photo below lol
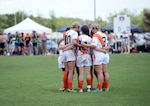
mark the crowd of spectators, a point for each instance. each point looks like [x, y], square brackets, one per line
[21, 44]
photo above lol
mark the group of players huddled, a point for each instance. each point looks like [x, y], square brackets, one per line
[84, 48]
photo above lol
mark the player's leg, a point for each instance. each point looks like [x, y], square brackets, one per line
[81, 78]
[106, 77]
[88, 78]
[71, 66]
[98, 69]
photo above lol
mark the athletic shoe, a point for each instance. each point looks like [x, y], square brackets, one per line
[88, 90]
[96, 90]
[61, 89]
[68, 90]
[80, 90]
[106, 89]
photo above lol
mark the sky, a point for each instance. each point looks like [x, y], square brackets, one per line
[83, 9]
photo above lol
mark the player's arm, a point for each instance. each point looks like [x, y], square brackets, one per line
[68, 47]
[75, 43]
[65, 47]
[59, 41]
[88, 45]
[101, 50]
[107, 47]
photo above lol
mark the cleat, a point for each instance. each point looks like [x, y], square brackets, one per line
[88, 90]
[80, 90]
[61, 89]
[96, 90]
[68, 90]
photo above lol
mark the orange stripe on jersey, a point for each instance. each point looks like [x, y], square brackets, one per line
[84, 51]
[82, 48]
[99, 38]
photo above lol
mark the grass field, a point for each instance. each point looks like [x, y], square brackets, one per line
[35, 80]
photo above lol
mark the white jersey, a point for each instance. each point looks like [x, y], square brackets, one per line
[83, 56]
[86, 39]
[69, 55]
[105, 39]
[98, 56]
[98, 42]
[70, 35]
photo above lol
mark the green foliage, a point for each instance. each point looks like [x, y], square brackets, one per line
[100, 21]
[146, 19]
[35, 80]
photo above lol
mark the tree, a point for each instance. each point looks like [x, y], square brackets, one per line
[146, 19]
[100, 21]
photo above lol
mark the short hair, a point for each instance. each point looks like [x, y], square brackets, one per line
[85, 29]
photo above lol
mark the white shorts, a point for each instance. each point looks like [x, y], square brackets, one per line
[60, 62]
[84, 60]
[106, 60]
[69, 55]
[99, 58]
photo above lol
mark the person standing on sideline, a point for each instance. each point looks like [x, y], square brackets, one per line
[2, 44]
[16, 44]
[84, 60]
[22, 44]
[34, 42]
[124, 44]
[27, 44]
[44, 39]
[98, 56]
[69, 56]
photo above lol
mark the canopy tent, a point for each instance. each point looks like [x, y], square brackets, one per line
[134, 28]
[27, 26]
[63, 29]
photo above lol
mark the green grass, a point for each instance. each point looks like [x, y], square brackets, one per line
[35, 80]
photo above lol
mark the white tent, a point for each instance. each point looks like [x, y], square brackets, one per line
[27, 26]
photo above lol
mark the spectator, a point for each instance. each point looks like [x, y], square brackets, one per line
[27, 44]
[16, 44]
[2, 44]
[9, 42]
[112, 41]
[34, 42]
[124, 44]
[44, 39]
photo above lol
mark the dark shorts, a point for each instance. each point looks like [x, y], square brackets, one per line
[2, 45]
[16, 44]
[21, 45]
[27, 44]
[35, 44]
